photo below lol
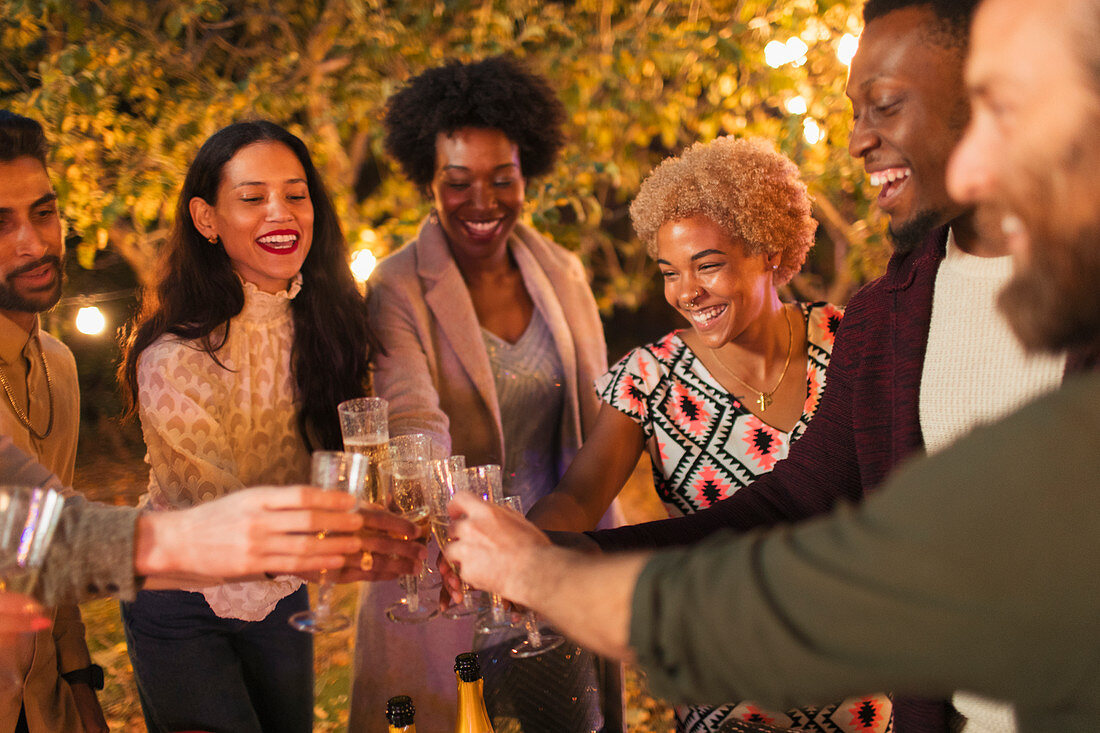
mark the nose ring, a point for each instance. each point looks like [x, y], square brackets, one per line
[694, 297]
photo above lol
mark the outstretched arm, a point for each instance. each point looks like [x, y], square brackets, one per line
[976, 569]
[402, 373]
[595, 476]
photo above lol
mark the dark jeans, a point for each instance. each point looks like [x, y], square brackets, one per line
[196, 671]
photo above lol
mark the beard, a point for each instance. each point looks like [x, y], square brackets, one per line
[35, 301]
[910, 235]
[1052, 302]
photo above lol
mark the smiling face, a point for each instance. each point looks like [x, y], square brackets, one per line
[263, 215]
[31, 241]
[1030, 165]
[710, 280]
[909, 110]
[478, 191]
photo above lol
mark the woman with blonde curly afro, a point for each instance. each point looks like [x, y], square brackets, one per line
[719, 403]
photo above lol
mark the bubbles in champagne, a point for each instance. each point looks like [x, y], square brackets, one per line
[374, 448]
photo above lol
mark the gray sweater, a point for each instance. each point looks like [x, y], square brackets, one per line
[92, 552]
[978, 570]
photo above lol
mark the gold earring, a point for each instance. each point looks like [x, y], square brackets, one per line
[213, 239]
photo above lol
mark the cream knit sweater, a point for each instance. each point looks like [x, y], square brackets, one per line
[975, 372]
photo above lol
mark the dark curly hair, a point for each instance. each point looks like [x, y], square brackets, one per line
[21, 137]
[953, 17]
[497, 93]
[198, 294]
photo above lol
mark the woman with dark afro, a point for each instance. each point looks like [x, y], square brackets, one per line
[491, 341]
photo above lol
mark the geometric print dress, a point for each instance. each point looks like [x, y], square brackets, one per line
[704, 445]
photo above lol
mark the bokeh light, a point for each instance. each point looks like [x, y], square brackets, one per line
[90, 321]
[812, 131]
[796, 105]
[846, 48]
[362, 265]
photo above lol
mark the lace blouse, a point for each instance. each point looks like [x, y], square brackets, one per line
[211, 430]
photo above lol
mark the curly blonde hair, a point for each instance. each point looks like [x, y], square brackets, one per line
[746, 187]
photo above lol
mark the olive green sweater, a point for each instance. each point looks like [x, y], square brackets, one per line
[978, 570]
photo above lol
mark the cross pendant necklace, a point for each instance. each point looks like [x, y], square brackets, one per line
[764, 399]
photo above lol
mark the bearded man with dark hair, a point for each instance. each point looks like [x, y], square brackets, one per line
[48, 681]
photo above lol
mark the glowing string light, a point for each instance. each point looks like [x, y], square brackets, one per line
[812, 131]
[362, 265]
[846, 48]
[90, 320]
[796, 105]
[778, 54]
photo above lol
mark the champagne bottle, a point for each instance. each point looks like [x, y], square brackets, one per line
[399, 711]
[472, 716]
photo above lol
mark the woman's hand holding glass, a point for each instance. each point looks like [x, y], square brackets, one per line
[498, 550]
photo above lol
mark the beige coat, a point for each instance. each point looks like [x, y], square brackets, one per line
[438, 380]
[436, 371]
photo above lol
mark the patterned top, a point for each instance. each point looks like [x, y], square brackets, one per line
[530, 385]
[211, 430]
[704, 444]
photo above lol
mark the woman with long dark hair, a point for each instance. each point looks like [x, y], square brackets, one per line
[252, 334]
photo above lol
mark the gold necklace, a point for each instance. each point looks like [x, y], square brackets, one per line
[765, 398]
[23, 417]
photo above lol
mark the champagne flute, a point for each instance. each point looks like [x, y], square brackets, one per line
[537, 641]
[487, 482]
[449, 478]
[363, 424]
[404, 489]
[413, 447]
[28, 518]
[335, 471]
[417, 447]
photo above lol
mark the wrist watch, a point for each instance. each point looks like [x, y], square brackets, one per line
[92, 676]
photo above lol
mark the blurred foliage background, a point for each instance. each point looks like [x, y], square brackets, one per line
[129, 89]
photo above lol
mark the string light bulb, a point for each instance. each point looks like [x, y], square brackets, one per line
[846, 48]
[812, 131]
[90, 321]
[362, 265]
[777, 53]
[796, 105]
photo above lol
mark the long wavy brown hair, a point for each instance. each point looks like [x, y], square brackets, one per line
[197, 293]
